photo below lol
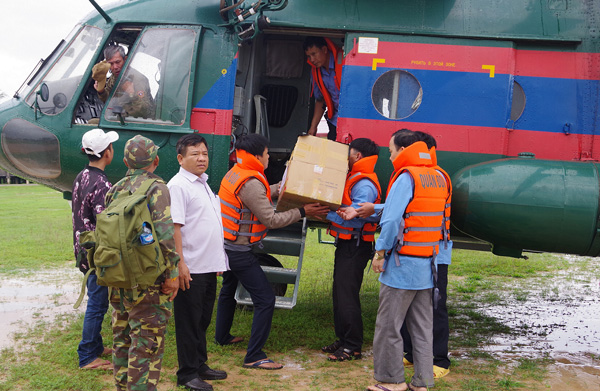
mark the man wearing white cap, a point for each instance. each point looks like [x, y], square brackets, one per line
[89, 190]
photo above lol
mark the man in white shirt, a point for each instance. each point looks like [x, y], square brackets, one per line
[196, 213]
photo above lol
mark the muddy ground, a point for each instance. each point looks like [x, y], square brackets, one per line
[557, 317]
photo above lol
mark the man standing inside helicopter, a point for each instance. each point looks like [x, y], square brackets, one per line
[325, 59]
[134, 93]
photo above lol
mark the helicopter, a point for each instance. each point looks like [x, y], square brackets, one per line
[509, 89]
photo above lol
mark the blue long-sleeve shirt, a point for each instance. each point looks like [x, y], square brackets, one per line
[362, 191]
[328, 75]
[444, 256]
[413, 273]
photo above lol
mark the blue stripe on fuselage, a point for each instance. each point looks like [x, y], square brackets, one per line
[476, 99]
[220, 95]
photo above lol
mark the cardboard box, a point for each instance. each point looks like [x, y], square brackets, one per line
[316, 172]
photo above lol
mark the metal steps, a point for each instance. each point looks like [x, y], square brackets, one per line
[283, 241]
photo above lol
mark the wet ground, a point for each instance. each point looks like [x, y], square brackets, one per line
[28, 299]
[553, 316]
[557, 317]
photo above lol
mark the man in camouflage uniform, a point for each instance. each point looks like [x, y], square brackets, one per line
[134, 93]
[140, 317]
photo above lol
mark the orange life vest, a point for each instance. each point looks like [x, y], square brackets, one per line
[232, 209]
[318, 77]
[446, 231]
[364, 168]
[424, 222]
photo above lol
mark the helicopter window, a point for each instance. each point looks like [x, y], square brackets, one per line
[66, 74]
[154, 87]
[396, 94]
[518, 102]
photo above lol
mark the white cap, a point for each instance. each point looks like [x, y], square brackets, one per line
[95, 141]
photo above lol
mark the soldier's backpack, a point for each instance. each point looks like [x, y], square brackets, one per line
[123, 250]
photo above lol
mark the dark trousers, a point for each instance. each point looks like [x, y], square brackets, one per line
[332, 134]
[246, 269]
[193, 311]
[441, 329]
[348, 271]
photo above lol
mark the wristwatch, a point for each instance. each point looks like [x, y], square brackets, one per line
[378, 256]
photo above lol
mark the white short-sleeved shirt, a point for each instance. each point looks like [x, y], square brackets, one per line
[198, 210]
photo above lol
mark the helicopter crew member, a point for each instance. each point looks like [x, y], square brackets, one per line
[196, 212]
[247, 214]
[89, 189]
[134, 92]
[354, 248]
[405, 255]
[325, 60]
[140, 317]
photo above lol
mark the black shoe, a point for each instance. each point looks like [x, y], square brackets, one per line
[332, 348]
[212, 374]
[196, 384]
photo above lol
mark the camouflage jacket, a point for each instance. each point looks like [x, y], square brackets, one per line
[140, 103]
[89, 189]
[159, 202]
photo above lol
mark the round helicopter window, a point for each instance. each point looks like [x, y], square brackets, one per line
[396, 94]
[518, 102]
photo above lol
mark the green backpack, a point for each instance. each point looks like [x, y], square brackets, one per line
[123, 249]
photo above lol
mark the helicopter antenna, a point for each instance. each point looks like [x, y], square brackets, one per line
[101, 11]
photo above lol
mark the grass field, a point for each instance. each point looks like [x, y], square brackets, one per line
[35, 234]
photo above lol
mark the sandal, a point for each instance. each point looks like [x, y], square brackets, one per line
[381, 387]
[344, 354]
[98, 364]
[332, 348]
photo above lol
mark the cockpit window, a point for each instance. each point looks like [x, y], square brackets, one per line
[66, 74]
[154, 87]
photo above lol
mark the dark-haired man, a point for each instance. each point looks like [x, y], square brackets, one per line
[441, 328]
[248, 214]
[89, 189]
[196, 213]
[326, 62]
[412, 227]
[354, 247]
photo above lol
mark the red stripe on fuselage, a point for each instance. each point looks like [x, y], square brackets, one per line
[459, 58]
[477, 139]
[211, 121]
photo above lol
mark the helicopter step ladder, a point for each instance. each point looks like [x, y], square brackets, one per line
[282, 241]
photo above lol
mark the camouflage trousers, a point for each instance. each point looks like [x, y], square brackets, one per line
[139, 327]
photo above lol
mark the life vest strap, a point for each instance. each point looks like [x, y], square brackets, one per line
[420, 244]
[238, 221]
[409, 214]
[421, 229]
[249, 234]
[238, 210]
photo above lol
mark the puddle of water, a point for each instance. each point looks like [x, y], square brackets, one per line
[26, 300]
[557, 316]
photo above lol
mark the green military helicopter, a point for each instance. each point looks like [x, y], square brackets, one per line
[509, 89]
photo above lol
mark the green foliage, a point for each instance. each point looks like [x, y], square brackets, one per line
[35, 228]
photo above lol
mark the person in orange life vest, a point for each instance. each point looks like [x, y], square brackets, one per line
[441, 328]
[247, 213]
[326, 63]
[354, 247]
[405, 257]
